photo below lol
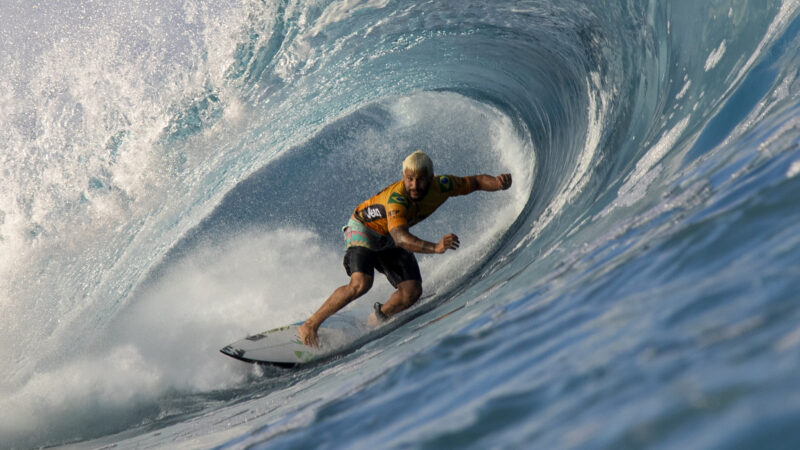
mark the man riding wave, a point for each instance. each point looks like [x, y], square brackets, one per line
[377, 237]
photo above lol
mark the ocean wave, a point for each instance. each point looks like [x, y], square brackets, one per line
[153, 163]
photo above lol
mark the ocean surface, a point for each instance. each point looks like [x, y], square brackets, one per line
[174, 176]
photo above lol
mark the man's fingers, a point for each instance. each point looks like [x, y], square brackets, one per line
[454, 243]
[311, 340]
[448, 242]
[505, 180]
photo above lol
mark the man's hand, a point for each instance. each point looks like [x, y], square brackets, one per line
[490, 183]
[448, 242]
[504, 180]
[308, 335]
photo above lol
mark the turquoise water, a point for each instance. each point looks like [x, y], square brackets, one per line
[175, 177]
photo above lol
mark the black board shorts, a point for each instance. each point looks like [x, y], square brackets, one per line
[396, 263]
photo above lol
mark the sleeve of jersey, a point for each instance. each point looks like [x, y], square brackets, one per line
[396, 207]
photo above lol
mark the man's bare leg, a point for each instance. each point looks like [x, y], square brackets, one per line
[358, 286]
[407, 293]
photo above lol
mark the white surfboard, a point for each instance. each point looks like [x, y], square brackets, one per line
[340, 333]
[282, 346]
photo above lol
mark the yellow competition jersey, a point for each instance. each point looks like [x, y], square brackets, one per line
[392, 207]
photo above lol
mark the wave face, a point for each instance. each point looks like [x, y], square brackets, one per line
[175, 174]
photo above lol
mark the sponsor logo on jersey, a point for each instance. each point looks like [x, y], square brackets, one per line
[372, 213]
[445, 184]
[397, 198]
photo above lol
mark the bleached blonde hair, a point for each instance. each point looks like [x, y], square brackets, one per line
[417, 162]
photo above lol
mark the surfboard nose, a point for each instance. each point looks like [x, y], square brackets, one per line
[233, 352]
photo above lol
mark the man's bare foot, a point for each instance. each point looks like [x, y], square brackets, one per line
[308, 335]
[377, 316]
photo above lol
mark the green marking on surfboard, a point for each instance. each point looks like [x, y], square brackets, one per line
[303, 356]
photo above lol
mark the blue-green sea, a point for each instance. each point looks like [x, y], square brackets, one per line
[174, 176]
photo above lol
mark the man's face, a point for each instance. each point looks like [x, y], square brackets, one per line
[417, 183]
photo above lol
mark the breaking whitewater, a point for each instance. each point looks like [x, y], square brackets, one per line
[175, 176]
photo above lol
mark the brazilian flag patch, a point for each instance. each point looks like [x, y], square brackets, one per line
[445, 184]
[397, 198]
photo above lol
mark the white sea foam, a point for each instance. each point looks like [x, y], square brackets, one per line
[84, 116]
[169, 338]
[793, 169]
[715, 56]
[648, 167]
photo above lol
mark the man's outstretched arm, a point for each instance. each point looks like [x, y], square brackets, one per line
[404, 239]
[490, 183]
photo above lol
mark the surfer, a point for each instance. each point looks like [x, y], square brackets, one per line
[377, 237]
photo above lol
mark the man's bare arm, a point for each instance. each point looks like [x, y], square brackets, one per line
[404, 239]
[490, 183]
